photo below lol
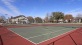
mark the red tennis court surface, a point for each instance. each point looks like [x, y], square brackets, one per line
[72, 38]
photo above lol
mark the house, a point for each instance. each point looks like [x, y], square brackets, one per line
[68, 20]
[78, 19]
[21, 19]
[60, 20]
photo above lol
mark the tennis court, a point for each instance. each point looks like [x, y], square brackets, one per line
[41, 34]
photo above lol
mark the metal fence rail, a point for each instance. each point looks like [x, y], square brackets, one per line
[69, 36]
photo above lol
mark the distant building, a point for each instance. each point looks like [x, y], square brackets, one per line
[21, 19]
[78, 19]
[68, 21]
[60, 20]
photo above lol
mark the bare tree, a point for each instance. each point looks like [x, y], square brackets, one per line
[79, 18]
[47, 18]
[30, 19]
[2, 19]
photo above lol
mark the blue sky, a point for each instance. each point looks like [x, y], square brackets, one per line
[39, 8]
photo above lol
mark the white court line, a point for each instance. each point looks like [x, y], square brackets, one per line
[22, 36]
[47, 33]
[57, 36]
[37, 36]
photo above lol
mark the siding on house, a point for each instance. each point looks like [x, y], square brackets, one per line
[19, 19]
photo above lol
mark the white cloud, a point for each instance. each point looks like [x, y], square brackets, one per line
[11, 7]
[9, 0]
[72, 1]
[4, 11]
[75, 12]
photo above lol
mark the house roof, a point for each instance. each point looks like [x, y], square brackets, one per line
[17, 16]
[78, 18]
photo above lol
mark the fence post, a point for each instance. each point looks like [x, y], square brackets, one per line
[1, 40]
[73, 39]
[52, 43]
